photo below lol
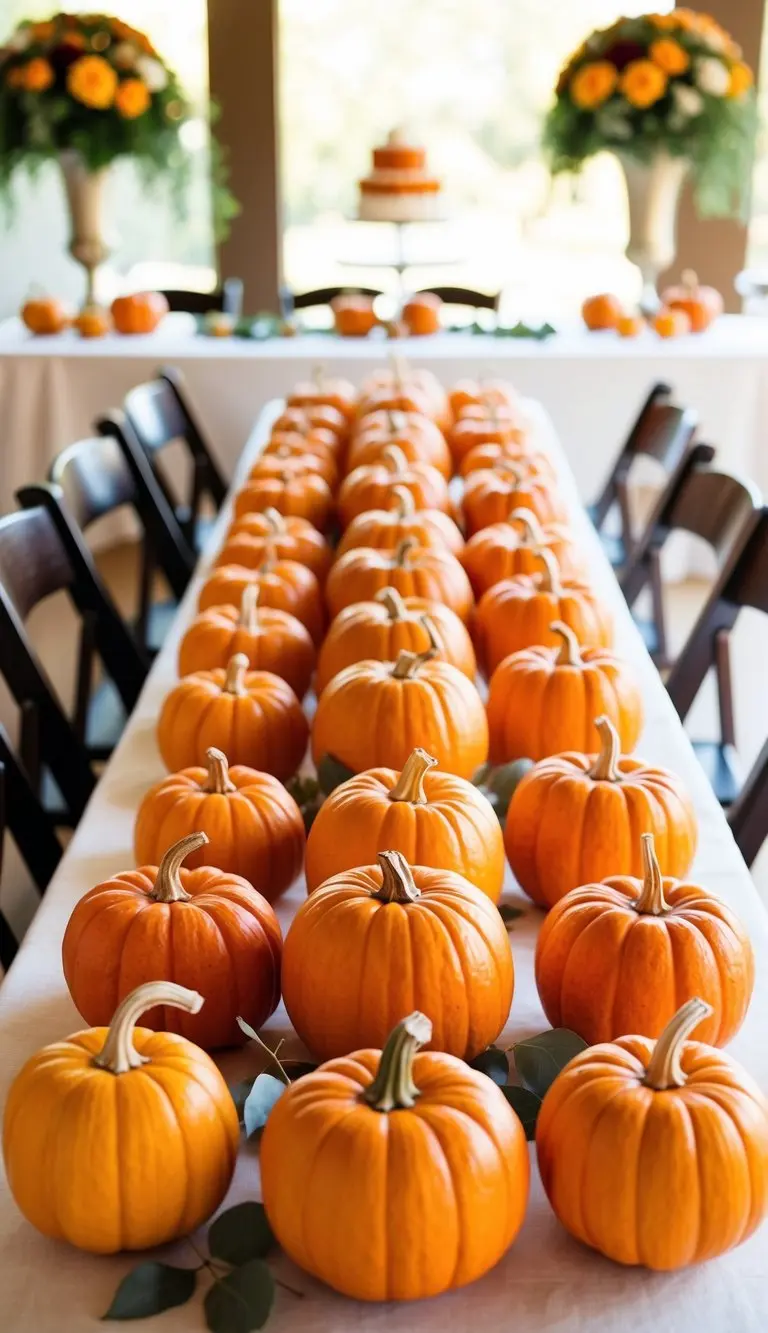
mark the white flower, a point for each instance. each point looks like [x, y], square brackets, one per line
[153, 73]
[717, 41]
[124, 55]
[688, 102]
[712, 77]
[20, 39]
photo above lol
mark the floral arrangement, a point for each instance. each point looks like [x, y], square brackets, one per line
[672, 83]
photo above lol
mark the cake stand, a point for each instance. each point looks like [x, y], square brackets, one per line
[401, 263]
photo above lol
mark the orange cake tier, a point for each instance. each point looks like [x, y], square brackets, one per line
[398, 188]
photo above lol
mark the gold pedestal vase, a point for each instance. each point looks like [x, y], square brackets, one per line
[85, 191]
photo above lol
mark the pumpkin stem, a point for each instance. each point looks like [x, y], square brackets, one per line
[391, 599]
[318, 376]
[410, 785]
[275, 519]
[394, 459]
[408, 663]
[234, 681]
[168, 886]
[406, 505]
[249, 605]
[118, 1054]
[511, 465]
[532, 530]
[392, 422]
[569, 654]
[403, 550]
[393, 1087]
[397, 885]
[664, 1068]
[549, 578]
[651, 900]
[689, 279]
[218, 780]
[605, 767]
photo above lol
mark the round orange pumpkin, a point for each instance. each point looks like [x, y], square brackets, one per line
[253, 826]
[420, 443]
[310, 454]
[416, 1133]
[284, 585]
[139, 313]
[435, 819]
[421, 314]
[45, 315]
[353, 315]
[384, 529]
[404, 390]
[513, 547]
[702, 305]
[362, 925]
[669, 323]
[304, 496]
[253, 716]
[542, 701]
[253, 538]
[371, 486]
[93, 321]
[321, 416]
[622, 955]
[602, 311]
[413, 571]
[373, 714]
[491, 494]
[488, 394]
[272, 640]
[206, 928]
[475, 429]
[382, 628]
[325, 391]
[680, 1131]
[489, 455]
[577, 817]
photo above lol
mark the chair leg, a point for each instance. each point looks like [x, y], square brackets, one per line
[724, 687]
[661, 656]
[29, 741]
[146, 578]
[84, 677]
[748, 816]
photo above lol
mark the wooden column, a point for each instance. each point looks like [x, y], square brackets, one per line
[242, 56]
[716, 248]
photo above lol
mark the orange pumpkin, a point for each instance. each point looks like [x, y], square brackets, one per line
[253, 716]
[400, 387]
[576, 817]
[371, 486]
[139, 313]
[489, 455]
[513, 547]
[353, 315]
[421, 314]
[272, 640]
[311, 455]
[385, 529]
[472, 430]
[382, 628]
[314, 416]
[461, 963]
[252, 538]
[542, 701]
[518, 613]
[304, 496]
[93, 321]
[253, 826]
[284, 585]
[435, 819]
[420, 443]
[373, 714]
[702, 305]
[681, 1132]
[488, 394]
[492, 493]
[325, 391]
[45, 315]
[671, 323]
[414, 571]
[630, 326]
[397, 1234]
[207, 928]
[602, 311]
[622, 955]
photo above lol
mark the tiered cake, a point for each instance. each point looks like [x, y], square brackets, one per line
[399, 188]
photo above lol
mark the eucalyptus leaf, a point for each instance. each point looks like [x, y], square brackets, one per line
[493, 1063]
[242, 1300]
[481, 775]
[240, 1234]
[265, 1092]
[526, 1106]
[331, 773]
[504, 781]
[509, 913]
[539, 1059]
[151, 1288]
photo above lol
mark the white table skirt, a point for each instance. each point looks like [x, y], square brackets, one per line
[546, 1280]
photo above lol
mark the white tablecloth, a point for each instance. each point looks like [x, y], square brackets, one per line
[546, 1281]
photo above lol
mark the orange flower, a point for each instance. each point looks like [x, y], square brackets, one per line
[126, 33]
[741, 80]
[43, 32]
[93, 82]
[666, 22]
[669, 55]
[643, 83]
[593, 84]
[132, 98]
[38, 75]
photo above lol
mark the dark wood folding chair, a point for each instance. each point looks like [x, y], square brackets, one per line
[663, 432]
[23, 817]
[290, 301]
[467, 296]
[742, 582]
[748, 816]
[227, 298]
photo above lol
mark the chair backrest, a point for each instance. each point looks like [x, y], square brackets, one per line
[227, 298]
[643, 427]
[22, 815]
[94, 479]
[290, 301]
[464, 296]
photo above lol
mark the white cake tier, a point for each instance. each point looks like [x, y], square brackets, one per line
[399, 207]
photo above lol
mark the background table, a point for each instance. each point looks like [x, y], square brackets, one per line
[546, 1281]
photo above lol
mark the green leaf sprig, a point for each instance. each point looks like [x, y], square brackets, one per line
[537, 1062]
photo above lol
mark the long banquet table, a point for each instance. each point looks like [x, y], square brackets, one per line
[547, 1280]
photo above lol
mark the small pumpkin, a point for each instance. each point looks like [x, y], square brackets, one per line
[353, 315]
[630, 326]
[139, 313]
[575, 818]
[488, 394]
[373, 714]
[475, 428]
[681, 1132]
[622, 955]
[488, 455]
[325, 391]
[420, 1131]
[670, 323]
[284, 585]
[272, 640]
[146, 1109]
[518, 613]
[360, 926]
[385, 529]
[414, 571]
[312, 416]
[253, 716]
[602, 311]
[434, 819]
[702, 305]
[306, 495]
[45, 315]
[207, 928]
[310, 453]
[371, 486]
[417, 437]
[254, 827]
[491, 494]
[513, 547]
[421, 314]
[254, 537]
[382, 628]
[542, 701]
[93, 321]
[402, 388]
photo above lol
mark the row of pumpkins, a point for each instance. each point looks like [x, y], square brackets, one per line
[399, 944]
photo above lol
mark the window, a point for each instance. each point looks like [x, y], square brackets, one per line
[472, 84]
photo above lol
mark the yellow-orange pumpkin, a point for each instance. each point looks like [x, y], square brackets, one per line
[513, 547]
[282, 584]
[254, 538]
[307, 495]
[272, 640]
[491, 494]
[385, 529]
[371, 486]
[432, 573]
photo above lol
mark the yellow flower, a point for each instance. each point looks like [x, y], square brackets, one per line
[38, 75]
[43, 32]
[92, 81]
[669, 55]
[643, 83]
[132, 98]
[741, 80]
[593, 83]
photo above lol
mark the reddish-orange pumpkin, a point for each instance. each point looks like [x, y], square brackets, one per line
[420, 443]
[371, 486]
[139, 313]
[305, 496]
[602, 311]
[272, 640]
[542, 701]
[253, 716]
[414, 571]
[207, 929]
[421, 314]
[576, 818]
[253, 538]
[701, 304]
[513, 547]
[622, 955]
[492, 493]
[282, 584]
[353, 315]
[384, 529]
[45, 315]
